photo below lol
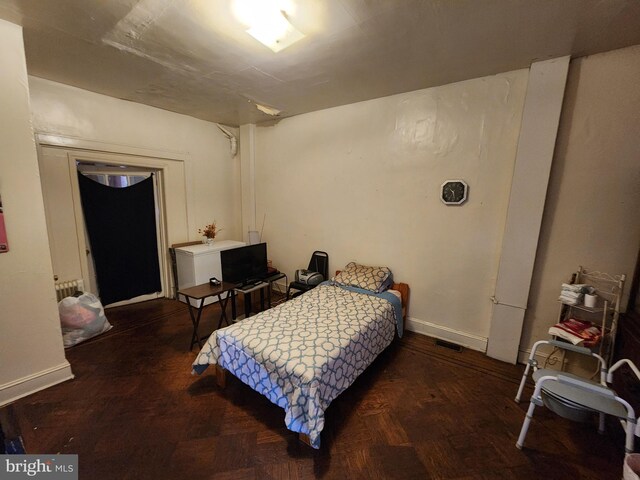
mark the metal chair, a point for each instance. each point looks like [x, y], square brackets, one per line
[319, 263]
[577, 398]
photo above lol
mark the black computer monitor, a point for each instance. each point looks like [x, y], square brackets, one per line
[244, 265]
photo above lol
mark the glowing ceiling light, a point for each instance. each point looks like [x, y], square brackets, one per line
[267, 21]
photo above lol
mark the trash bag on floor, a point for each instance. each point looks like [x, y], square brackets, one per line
[81, 318]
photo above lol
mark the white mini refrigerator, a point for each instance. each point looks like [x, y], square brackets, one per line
[198, 263]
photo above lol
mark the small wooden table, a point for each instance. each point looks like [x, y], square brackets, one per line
[199, 294]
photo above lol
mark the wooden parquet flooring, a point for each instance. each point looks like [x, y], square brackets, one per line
[134, 411]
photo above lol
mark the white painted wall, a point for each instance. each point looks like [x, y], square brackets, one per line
[362, 182]
[31, 351]
[592, 213]
[212, 176]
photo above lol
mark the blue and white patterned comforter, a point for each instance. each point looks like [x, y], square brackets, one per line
[303, 353]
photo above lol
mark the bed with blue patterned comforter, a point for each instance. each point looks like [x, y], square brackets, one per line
[303, 353]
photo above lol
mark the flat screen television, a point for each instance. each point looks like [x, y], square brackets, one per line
[244, 265]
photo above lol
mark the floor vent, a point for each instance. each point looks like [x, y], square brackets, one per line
[449, 345]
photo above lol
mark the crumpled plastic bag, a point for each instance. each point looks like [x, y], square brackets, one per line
[81, 318]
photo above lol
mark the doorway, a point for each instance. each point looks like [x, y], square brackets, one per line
[122, 225]
[68, 239]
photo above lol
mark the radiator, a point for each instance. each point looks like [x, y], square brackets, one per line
[68, 288]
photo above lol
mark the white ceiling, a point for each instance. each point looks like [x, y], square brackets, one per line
[193, 57]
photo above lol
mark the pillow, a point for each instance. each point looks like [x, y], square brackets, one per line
[376, 279]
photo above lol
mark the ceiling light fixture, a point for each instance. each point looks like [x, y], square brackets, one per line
[268, 22]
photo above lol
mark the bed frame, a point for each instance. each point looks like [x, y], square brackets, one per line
[403, 288]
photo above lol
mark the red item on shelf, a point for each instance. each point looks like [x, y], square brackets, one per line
[578, 332]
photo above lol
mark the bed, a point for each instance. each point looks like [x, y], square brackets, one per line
[303, 353]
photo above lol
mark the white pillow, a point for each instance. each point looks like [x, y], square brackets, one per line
[376, 279]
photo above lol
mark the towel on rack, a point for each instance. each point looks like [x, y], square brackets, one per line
[570, 297]
[575, 287]
[572, 294]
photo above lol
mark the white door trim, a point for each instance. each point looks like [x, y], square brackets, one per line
[55, 140]
[172, 217]
[130, 161]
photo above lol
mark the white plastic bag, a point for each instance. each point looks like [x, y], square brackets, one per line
[81, 318]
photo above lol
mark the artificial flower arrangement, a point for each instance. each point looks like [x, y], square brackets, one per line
[210, 231]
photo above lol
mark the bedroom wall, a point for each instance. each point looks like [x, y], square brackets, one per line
[593, 200]
[212, 176]
[31, 352]
[362, 182]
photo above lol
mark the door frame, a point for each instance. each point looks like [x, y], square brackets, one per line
[158, 196]
[170, 170]
[107, 166]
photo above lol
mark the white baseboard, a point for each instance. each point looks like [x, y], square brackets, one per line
[542, 356]
[423, 327]
[464, 339]
[12, 391]
[556, 361]
[523, 356]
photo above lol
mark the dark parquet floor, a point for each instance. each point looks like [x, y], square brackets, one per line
[134, 411]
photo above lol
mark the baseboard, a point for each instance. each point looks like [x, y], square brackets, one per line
[12, 391]
[546, 360]
[523, 356]
[542, 356]
[423, 327]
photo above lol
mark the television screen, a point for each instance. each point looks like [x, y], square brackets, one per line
[244, 265]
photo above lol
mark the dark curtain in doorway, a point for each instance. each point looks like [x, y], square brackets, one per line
[122, 231]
